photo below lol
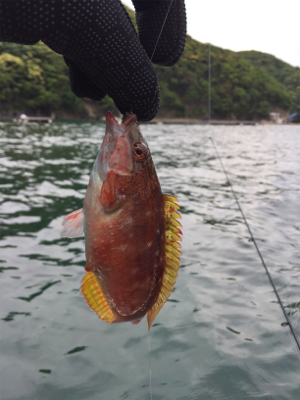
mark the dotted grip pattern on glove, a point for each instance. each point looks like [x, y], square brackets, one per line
[99, 44]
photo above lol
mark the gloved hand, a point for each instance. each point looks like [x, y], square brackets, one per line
[100, 46]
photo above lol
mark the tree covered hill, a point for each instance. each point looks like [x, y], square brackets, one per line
[239, 89]
[280, 70]
[244, 85]
[283, 72]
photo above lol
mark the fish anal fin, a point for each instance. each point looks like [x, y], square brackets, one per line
[94, 296]
[172, 261]
[73, 224]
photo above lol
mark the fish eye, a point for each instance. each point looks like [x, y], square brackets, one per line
[140, 151]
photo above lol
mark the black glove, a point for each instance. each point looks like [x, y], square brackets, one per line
[100, 46]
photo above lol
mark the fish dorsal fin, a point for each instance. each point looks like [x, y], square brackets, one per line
[94, 296]
[73, 224]
[172, 255]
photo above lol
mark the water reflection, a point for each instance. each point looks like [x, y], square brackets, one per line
[39, 292]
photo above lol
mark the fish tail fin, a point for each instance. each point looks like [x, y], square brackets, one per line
[94, 296]
[172, 256]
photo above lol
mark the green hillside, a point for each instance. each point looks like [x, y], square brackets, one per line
[280, 70]
[283, 72]
[239, 89]
[35, 80]
[244, 85]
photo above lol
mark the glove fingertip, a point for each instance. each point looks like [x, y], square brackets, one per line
[144, 108]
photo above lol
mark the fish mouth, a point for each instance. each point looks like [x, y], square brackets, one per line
[116, 150]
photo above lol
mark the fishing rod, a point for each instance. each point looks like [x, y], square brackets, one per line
[288, 321]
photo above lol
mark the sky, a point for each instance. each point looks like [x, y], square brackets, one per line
[268, 26]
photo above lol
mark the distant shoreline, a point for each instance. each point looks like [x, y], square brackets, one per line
[194, 121]
[201, 121]
[158, 121]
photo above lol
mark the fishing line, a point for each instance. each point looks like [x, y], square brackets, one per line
[162, 28]
[150, 371]
[257, 249]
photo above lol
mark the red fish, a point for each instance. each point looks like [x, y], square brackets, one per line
[131, 229]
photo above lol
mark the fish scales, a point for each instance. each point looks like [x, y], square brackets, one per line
[130, 227]
[131, 243]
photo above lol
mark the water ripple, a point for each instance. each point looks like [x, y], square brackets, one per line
[220, 335]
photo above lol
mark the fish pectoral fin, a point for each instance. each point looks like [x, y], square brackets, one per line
[73, 224]
[172, 261]
[94, 296]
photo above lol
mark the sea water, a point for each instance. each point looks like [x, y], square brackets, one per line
[220, 335]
